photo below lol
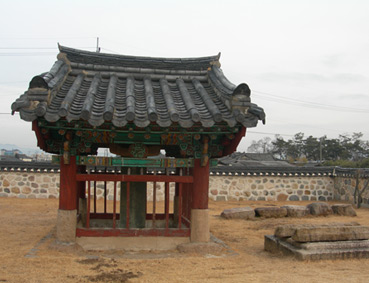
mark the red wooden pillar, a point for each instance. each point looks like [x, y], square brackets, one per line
[68, 199]
[81, 187]
[200, 186]
[68, 193]
[200, 229]
[185, 201]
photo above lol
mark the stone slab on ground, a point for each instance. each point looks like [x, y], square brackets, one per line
[238, 213]
[276, 245]
[271, 212]
[331, 233]
[201, 248]
[296, 210]
[320, 209]
[288, 230]
[343, 209]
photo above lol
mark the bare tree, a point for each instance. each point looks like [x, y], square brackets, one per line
[358, 193]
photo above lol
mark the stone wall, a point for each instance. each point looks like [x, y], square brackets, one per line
[222, 188]
[271, 188]
[29, 185]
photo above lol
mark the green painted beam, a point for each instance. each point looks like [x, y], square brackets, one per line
[134, 162]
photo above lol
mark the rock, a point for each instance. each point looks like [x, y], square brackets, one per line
[238, 213]
[320, 209]
[271, 212]
[294, 198]
[296, 210]
[343, 209]
[282, 197]
[331, 233]
[26, 190]
[15, 190]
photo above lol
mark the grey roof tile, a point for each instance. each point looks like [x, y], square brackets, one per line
[122, 89]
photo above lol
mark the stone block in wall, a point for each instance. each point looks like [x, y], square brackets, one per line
[271, 212]
[343, 209]
[296, 210]
[26, 190]
[282, 197]
[294, 198]
[221, 198]
[238, 213]
[15, 190]
[214, 192]
[320, 209]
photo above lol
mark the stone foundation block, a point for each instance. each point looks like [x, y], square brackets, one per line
[288, 230]
[200, 228]
[238, 213]
[333, 233]
[276, 245]
[343, 209]
[271, 212]
[201, 248]
[296, 210]
[131, 243]
[66, 226]
[320, 209]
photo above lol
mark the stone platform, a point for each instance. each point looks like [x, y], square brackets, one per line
[317, 242]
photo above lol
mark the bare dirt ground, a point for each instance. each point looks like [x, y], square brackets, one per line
[28, 252]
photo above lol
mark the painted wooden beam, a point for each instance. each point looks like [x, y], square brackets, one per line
[134, 178]
[232, 146]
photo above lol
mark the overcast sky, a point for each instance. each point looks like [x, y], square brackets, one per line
[306, 62]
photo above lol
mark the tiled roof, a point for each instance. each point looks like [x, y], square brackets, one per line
[252, 160]
[127, 89]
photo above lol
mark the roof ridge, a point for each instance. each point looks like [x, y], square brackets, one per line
[190, 63]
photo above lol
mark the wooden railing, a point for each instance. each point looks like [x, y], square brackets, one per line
[183, 192]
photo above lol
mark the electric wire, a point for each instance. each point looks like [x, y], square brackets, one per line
[308, 104]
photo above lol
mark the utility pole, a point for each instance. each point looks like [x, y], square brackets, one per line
[97, 45]
[321, 150]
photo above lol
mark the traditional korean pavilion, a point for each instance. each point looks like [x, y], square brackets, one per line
[137, 107]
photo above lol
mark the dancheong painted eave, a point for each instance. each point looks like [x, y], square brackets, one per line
[119, 89]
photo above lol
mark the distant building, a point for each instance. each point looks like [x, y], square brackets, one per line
[14, 155]
[13, 152]
[23, 157]
[41, 157]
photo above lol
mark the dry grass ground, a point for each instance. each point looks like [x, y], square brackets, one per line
[28, 252]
